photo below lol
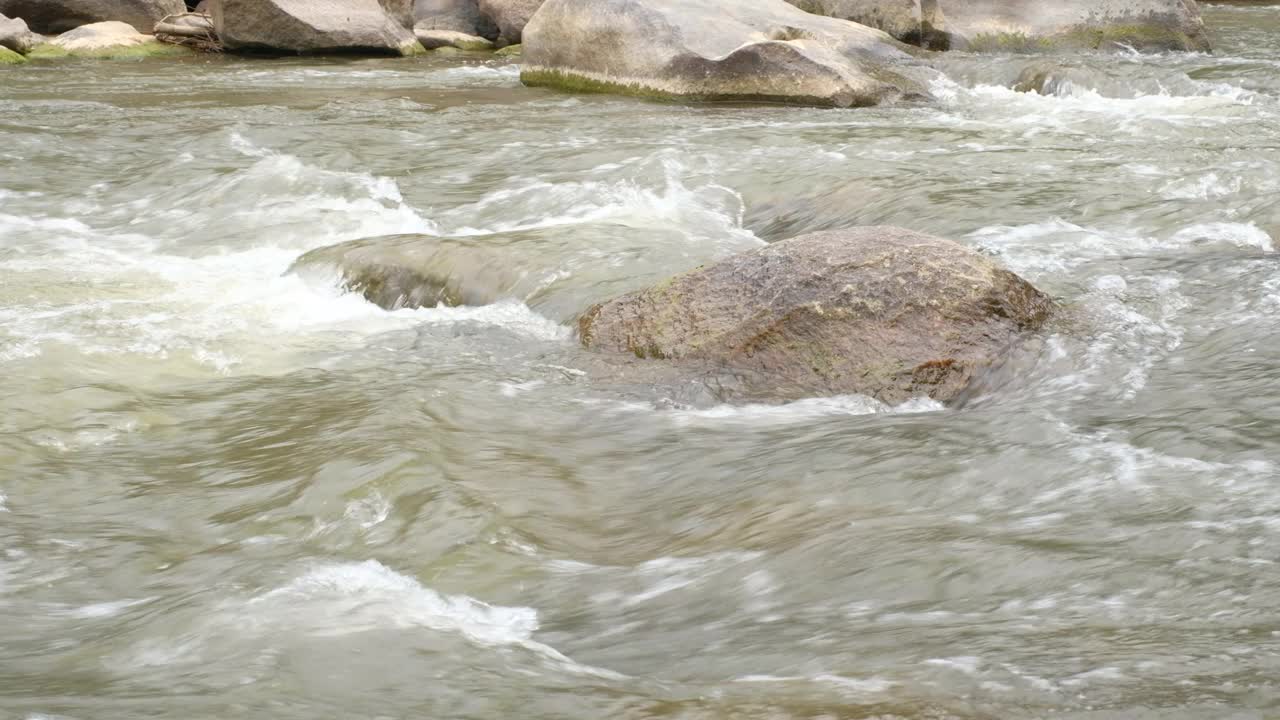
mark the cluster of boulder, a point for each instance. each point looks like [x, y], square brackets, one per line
[818, 52]
[370, 27]
[824, 52]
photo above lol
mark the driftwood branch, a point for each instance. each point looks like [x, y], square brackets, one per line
[194, 30]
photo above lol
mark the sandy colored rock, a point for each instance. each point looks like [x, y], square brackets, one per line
[765, 50]
[433, 39]
[879, 311]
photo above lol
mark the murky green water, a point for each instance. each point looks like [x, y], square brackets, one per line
[227, 491]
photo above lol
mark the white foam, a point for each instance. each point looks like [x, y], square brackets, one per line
[1056, 245]
[1072, 105]
[1205, 187]
[705, 212]
[967, 664]
[96, 611]
[231, 308]
[798, 411]
[474, 76]
[340, 599]
[1244, 235]
[845, 685]
[337, 599]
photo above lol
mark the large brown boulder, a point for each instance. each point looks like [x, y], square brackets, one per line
[15, 35]
[879, 311]
[316, 26]
[52, 17]
[764, 50]
[509, 16]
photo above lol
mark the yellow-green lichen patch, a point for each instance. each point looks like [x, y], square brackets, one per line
[412, 49]
[9, 57]
[149, 49]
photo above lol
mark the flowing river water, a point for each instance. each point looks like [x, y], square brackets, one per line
[228, 490]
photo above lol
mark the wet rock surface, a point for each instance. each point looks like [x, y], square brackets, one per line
[880, 311]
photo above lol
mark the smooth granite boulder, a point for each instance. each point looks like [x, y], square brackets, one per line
[377, 27]
[761, 51]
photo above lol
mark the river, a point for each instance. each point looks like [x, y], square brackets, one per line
[228, 490]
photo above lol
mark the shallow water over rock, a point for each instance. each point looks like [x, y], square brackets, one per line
[231, 490]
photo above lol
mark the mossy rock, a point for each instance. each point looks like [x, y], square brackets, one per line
[9, 57]
[413, 49]
[474, 45]
[149, 49]
[510, 51]
[1141, 37]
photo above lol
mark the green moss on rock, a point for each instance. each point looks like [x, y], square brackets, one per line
[413, 49]
[47, 51]
[1010, 43]
[9, 57]
[573, 82]
[510, 51]
[1142, 37]
[580, 83]
[152, 48]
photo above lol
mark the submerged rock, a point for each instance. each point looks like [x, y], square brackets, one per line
[510, 17]
[415, 271]
[764, 50]
[57, 16]
[879, 311]
[106, 40]
[1031, 25]
[433, 39]
[316, 26]
[15, 35]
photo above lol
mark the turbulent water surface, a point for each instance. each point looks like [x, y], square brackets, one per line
[227, 490]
